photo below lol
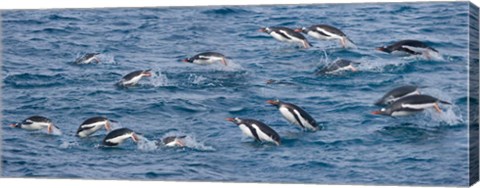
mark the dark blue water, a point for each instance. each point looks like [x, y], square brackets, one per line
[39, 47]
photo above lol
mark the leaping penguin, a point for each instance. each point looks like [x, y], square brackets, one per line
[118, 136]
[34, 123]
[327, 32]
[174, 141]
[338, 66]
[295, 115]
[396, 94]
[92, 125]
[88, 58]
[134, 77]
[287, 35]
[207, 58]
[409, 47]
[257, 130]
[410, 105]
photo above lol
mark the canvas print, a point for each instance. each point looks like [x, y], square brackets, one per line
[359, 94]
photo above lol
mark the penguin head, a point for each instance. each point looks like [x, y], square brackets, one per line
[147, 73]
[235, 120]
[16, 125]
[188, 60]
[383, 111]
[383, 49]
[302, 29]
[275, 102]
[265, 30]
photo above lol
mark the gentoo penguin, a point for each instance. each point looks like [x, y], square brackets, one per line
[207, 58]
[174, 141]
[295, 115]
[132, 78]
[92, 125]
[410, 105]
[327, 32]
[88, 58]
[257, 130]
[287, 35]
[118, 136]
[337, 66]
[409, 47]
[34, 123]
[396, 94]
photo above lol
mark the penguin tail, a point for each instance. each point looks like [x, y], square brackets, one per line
[444, 102]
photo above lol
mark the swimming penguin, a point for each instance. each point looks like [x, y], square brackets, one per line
[409, 47]
[295, 115]
[92, 125]
[88, 58]
[132, 78]
[118, 136]
[410, 105]
[34, 123]
[396, 94]
[338, 66]
[207, 58]
[257, 130]
[174, 141]
[287, 35]
[327, 32]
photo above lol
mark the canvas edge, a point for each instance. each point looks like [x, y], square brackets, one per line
[473, 92]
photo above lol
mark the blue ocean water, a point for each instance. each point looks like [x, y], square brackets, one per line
[355, 147]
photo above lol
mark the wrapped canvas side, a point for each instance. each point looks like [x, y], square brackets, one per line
[473, 92]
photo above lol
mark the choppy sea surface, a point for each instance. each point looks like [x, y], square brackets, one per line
[355, 147]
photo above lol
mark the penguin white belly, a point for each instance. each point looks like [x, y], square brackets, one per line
[246, 130]
[94, 127]
[305, 123]
[418, 106]
[133, 81]
[261, 135]
[399, 53]
[119, 139]
[318, 35]
[289, 116]
[278, 37]
[349, 67]
[403, 113]
[35, 126]
[172, 143]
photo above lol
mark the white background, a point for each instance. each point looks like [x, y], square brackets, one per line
[52, 183]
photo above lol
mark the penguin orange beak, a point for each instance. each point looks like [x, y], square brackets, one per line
[135, 137]
[108, 127]
[147, 74]
[262, 30]
[272, 102]
[230, 119]
[298, 30]
[185, 60]
[13, 125]
[376, 112]
[50, 128]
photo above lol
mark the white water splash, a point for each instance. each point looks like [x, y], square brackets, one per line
[68, 144]
[145, 144]
[194, 79]
[191, 142]
[447, 115]
[158, 79]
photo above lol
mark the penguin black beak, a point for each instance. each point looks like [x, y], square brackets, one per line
[230, 119]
